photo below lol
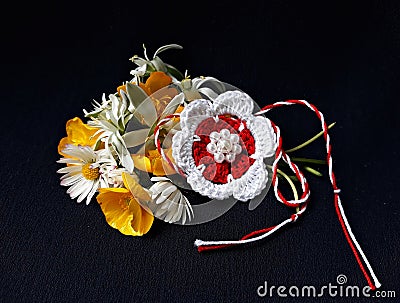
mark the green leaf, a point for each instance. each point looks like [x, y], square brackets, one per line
[146, 112]
[97, 145]
[135, 94]
[144, 107]
[169, 109]
[136, 137]
[138, 60]
[123, 154]
[208, 92]
[174, 72]
[166, 47]
[173, 105]
[158, 64]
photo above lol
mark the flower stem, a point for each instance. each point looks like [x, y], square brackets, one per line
[296, 196]
[313, 171]
[307, 160]
[309, 141]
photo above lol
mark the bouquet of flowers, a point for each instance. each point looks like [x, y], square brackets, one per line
[164, 140]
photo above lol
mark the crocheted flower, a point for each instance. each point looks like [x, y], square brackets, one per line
[221, 147]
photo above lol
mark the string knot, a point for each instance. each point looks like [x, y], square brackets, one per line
[294, 217]
[336, 191]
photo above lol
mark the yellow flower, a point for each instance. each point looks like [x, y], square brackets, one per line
[153, 163]
[155, 81]
[122, 209]
[78, 133]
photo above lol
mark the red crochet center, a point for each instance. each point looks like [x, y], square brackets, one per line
[218, 172]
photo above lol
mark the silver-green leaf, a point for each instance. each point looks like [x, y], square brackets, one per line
[165, 47]
[136, 94]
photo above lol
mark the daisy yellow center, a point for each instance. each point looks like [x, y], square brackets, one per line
[89, 172]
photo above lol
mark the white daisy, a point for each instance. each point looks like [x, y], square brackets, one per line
[86, 171]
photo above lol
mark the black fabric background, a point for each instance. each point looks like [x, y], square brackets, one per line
[342, 56]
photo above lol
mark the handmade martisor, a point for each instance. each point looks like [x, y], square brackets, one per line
[163, 142]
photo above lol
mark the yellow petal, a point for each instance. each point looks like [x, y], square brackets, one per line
[137, 190]
[154, 163]
[160, 167]
[142, 163]
[145, 88]
[156, 81]
[120, 190]
[161, 98]
[121, 87]
[114, 204]
[63, 142]
[78, 133]
[142, 219]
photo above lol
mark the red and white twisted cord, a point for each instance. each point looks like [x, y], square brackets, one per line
[280, 154]
[301, 202]
[352, 241]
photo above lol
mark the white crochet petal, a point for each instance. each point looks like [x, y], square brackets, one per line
[194, 113]
[264, 136]
[182, 143]
[252, 182]
[234, 102]
[208, 188]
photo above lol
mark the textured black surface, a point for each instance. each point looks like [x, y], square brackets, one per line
[343, 57]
